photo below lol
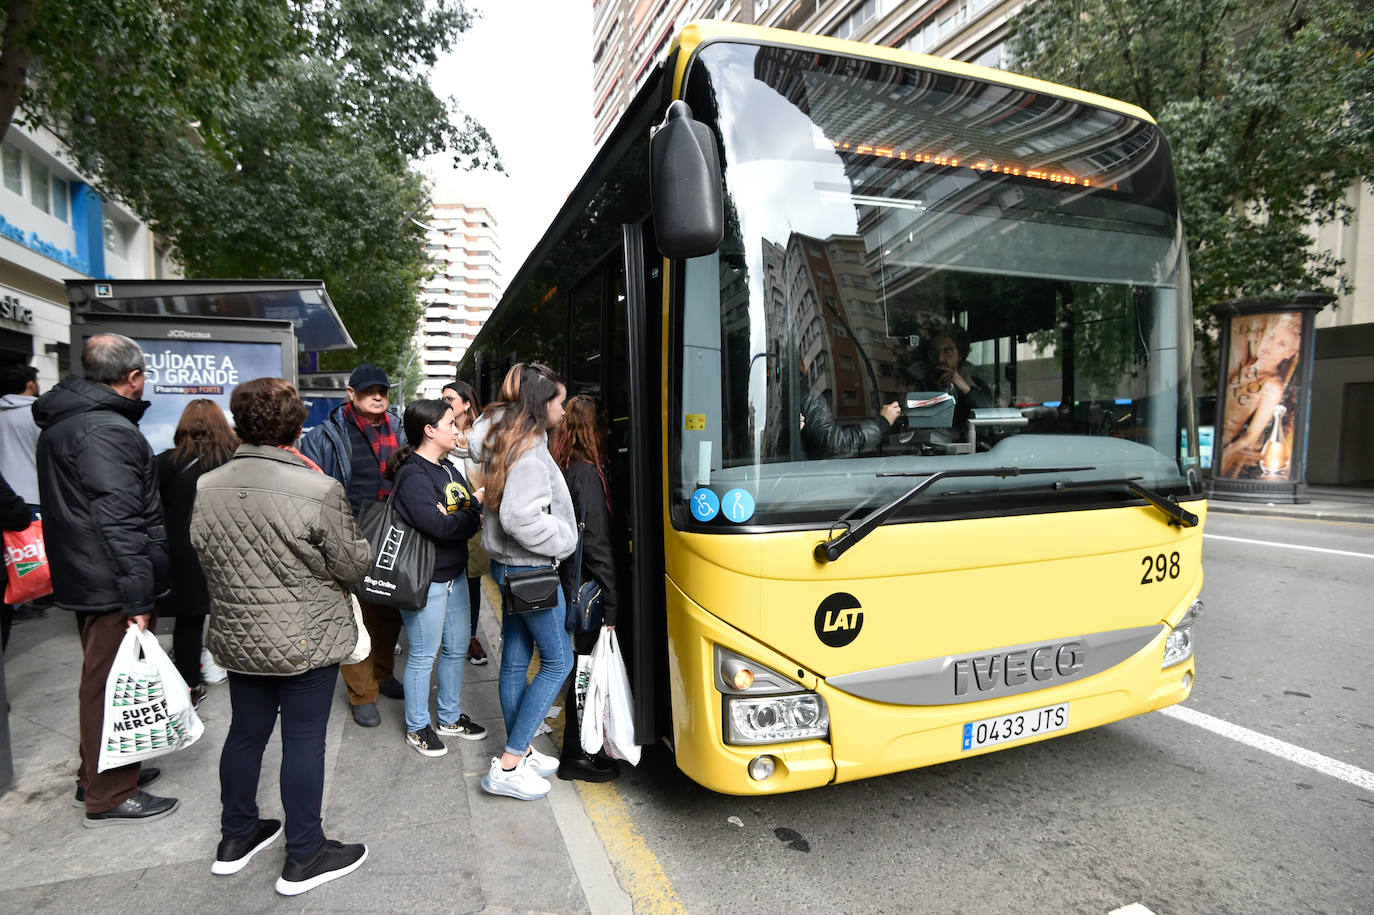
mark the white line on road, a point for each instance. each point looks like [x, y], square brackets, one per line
[1290, 546]
[1134, 908]
[1356, 776]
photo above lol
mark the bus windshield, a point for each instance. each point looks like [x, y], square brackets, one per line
[921, 272]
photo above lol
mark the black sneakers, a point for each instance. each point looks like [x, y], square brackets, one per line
[234, 854]
[146, 776]
[426, 743]
[332, 861]
[141, 808]
[464, 727]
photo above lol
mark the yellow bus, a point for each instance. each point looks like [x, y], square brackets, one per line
[896, 353]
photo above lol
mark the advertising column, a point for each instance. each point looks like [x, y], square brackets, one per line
[1264, 398]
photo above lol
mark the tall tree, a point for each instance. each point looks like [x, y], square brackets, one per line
[262, 137]
[1268, 105]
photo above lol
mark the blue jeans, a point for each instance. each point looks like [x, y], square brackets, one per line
[524, 706]
[443, 618]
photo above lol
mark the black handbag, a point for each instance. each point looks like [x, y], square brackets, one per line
[536, 589]
[402, 559]
[584, 606]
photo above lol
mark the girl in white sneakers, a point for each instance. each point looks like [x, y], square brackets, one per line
[528, 524]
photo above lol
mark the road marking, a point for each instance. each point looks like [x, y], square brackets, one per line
[1134, 908]
[1356, 776]
[637, 866]
[1290, 546]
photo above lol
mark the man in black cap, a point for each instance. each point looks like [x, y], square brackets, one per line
[352, 445]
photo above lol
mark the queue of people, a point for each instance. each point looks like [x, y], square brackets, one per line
[238, 526]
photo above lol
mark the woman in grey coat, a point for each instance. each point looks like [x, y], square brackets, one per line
[279, 548]
[528, 523]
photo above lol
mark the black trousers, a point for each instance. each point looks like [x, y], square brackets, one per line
[304, 703]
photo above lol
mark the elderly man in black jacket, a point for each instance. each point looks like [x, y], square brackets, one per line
[102, 522]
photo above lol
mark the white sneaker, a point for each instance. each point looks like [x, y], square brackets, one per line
[542, 764]
[522, 782]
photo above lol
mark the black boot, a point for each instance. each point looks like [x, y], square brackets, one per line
[586, 768]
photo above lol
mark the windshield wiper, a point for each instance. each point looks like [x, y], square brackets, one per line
[830, 550]
[1167, 504]
[1177, 513]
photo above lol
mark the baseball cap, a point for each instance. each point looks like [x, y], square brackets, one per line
[366, 376]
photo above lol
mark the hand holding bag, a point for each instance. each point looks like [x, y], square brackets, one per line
[148, 710]
[402, 558]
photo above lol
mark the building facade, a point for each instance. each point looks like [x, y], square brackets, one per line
[630, 36]
[462, 242]
[54, 226]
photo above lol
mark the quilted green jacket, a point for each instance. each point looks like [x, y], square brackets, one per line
[279, 548]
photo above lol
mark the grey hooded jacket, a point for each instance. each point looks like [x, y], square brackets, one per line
[536, 524]
[279, 548]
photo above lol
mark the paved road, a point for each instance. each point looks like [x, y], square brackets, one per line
[1156, 811]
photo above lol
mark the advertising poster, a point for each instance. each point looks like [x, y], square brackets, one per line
[180, 371]
[1257, 409]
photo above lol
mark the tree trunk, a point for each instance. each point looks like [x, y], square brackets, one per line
[14, 59]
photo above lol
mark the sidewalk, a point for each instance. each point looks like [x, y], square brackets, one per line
[1328, 503]
[436, 841]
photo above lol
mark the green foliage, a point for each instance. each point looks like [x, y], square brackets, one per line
[1269, 108]
[266, 138]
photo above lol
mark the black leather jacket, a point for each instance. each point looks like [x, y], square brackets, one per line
[823, 437]
[598, 548]
[102, 516]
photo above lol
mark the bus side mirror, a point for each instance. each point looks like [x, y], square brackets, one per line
[685, 185]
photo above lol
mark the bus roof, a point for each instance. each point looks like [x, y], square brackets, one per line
[701, 32]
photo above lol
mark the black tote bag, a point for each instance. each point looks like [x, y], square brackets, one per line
[402, 559]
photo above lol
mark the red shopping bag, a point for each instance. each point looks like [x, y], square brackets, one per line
[26, 565]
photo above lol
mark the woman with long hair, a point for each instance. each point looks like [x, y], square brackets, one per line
[580, 448]
[203, 440]
[463, 399]
[528, 524]
[433, 497]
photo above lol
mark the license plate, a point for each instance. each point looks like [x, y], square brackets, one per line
[1032, 723]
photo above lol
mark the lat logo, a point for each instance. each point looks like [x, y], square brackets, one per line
[839, 619]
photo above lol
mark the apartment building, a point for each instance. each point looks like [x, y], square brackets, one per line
[462, 241]
[55, 226]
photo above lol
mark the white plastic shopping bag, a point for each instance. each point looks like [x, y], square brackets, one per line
[608, 721]
[594, 701]
[619, 732]
[148, 709]
[582, 679]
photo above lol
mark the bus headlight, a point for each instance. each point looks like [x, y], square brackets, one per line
[1179, 645]
[774, 719]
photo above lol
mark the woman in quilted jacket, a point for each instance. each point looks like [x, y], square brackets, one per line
[279, 548]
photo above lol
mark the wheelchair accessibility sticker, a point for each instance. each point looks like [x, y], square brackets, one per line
[705, 505]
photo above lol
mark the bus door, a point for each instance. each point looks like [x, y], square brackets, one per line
[614, 354]
[638, 323]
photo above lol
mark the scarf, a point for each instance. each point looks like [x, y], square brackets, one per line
[381, 438]
[309, 463]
